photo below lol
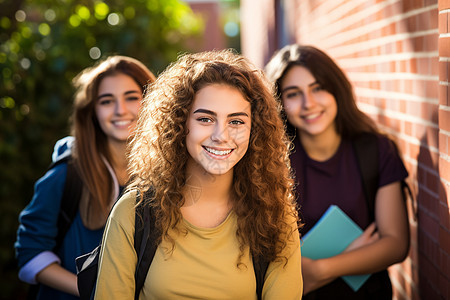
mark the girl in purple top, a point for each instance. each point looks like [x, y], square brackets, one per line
[324, 121]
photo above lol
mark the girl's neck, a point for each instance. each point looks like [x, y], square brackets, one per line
[321, 147]
[202, 186]
[207, 197]
[119, 162]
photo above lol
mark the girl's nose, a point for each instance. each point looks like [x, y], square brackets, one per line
[308, 100]
[121, 107]
[220, 134]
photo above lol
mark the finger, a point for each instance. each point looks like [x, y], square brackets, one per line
[371, 229]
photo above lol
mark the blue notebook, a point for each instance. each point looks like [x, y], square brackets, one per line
[330, 236]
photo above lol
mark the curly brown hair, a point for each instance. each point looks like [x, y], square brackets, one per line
[262, 183]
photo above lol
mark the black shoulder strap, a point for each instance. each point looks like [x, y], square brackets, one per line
[260, 266]
[366, 150]
[70, 200]
[144, 243]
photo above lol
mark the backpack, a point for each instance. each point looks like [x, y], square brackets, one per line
[145, 247]
[87, 264]
[366, 151]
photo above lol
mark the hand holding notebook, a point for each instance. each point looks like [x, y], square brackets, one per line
[330, 236]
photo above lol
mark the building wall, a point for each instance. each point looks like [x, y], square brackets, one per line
[213, 37]
[397, 55]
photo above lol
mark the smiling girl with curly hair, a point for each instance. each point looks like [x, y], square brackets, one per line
[211, 147]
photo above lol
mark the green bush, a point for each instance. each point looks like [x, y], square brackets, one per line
[43, 45]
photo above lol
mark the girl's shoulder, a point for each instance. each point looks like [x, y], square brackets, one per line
[123, 210]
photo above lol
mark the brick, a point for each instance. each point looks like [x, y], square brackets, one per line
[434, 18]
[444, 168]
[444, 240]
[428, 110]
[444, 120]
[443, 285]
[403, 64]
[432, 183]
[418, 44]
[408, 45]
[448, 22]
[444, 212]
[426, 262]
[444, 95]
[443, 261]
[443, 143]
[402, 109]
[433, 137]
[423, 66]
[448, 71]
[432, 89]
[443, 70]
[443, 23]
[419, 89]
[419, 131]
[431, 42]
[444, 46]
[443, 4]
[422, 21]
[430, 226]
[413, 108]
[407, 86]
[427, 202]
[434, 64]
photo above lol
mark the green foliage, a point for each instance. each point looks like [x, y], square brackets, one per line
[43, 45]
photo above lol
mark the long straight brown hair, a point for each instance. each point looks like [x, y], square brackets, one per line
[90, 140]
[350, 121]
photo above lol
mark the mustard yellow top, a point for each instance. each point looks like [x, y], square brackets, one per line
[202, 266]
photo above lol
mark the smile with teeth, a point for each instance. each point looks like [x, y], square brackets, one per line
[217, 152]
[122, 123]
[311, 116]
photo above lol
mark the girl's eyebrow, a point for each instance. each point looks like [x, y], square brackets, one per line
[111, 95]
[209, 112]
[292, 87]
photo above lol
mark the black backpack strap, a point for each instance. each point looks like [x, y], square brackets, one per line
[260, 266]
[366, 150]
[70, 200]
[144, 243]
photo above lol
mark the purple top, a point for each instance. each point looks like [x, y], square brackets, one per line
[338, 181]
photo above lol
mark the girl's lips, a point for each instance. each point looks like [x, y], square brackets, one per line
[311, 117]
[218, 153]
[122, 123]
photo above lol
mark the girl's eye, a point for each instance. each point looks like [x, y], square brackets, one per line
[204, 120]
[236, 122]
[317, 88]
[105, 101]
[293, 94]
[134, 98]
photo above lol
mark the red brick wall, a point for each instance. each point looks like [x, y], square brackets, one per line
[213, 37]
[397, 55]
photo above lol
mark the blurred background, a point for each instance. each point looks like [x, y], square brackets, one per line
[395, 52]
[44, 44]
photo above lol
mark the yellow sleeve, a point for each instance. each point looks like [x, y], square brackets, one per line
[118, 258]
[285, 281]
